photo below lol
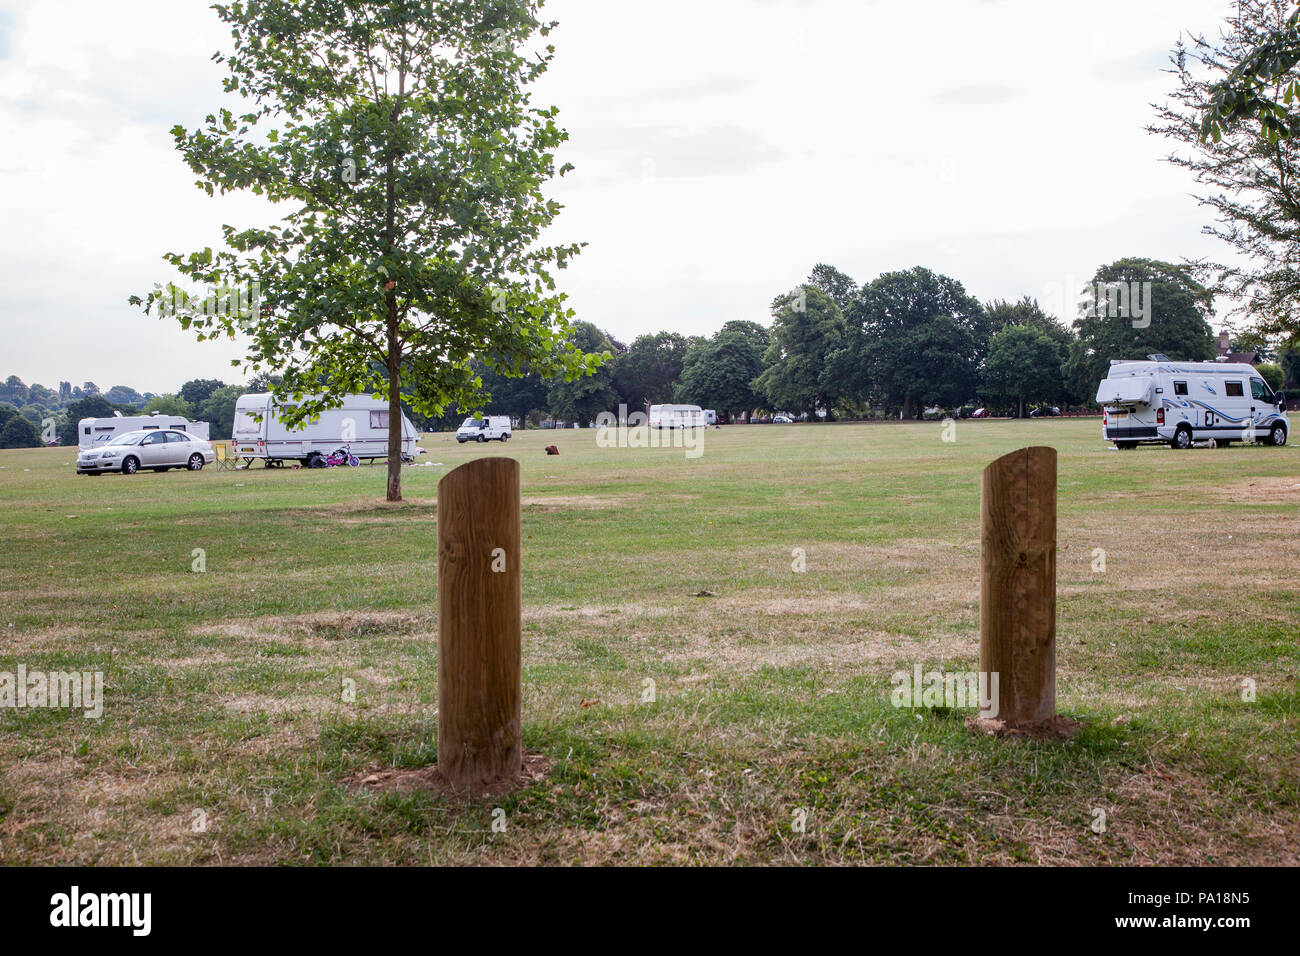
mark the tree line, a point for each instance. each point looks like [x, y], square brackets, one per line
[892, 347]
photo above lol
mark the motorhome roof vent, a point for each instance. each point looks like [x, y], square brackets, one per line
[1159, 357]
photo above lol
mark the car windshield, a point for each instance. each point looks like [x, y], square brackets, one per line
[130, 438]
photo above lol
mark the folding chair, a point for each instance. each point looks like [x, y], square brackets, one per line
[226, 458]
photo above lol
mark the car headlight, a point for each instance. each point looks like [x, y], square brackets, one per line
[111, 454]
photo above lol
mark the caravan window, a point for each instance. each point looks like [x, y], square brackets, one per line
[245, 424]
[1232, 389]
[1180, 388]
[379, 419]
[87, 430]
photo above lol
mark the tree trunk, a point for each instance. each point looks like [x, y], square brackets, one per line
[394, 404]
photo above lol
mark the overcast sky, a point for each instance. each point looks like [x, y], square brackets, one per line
[723, 147]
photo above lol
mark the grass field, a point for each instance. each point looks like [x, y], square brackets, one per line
[226, 737]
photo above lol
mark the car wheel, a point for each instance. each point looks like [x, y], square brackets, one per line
[1182, 438]
[505, 438]
[1277, 435]
[481, 438]
[130, 465]
[196, 462]
[461, 441]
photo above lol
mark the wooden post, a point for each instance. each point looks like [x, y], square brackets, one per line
[1018, 584]
[479, 624]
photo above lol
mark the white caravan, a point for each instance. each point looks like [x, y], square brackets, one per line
[677, 416]
[1177, 403]
[360, 425]
[93, 432]
[492, 428]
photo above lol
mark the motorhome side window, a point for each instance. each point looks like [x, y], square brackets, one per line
[379, 419]
[1180, 388]
[1232, 389]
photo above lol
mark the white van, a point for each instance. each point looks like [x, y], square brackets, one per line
[677, 416]
[93, 432]
[1177, 403]
[360, 426]
[492, 428]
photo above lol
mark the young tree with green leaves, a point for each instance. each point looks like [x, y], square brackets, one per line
[401, 139]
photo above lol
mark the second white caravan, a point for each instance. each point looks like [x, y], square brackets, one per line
[1177, 403]
[359, 426]
[677, 416]
[93, 432]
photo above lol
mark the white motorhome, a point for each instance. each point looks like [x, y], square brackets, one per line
[492, 428]
[360, 425]
[93, 432]
[1177, 403]
[677, 416]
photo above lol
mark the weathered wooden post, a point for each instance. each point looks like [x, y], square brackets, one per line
[479, 624]
[1018, 585]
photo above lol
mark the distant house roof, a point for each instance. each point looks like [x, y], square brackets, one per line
[1248, 358]
[1224, 353]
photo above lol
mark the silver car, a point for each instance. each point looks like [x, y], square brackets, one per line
[156, 448]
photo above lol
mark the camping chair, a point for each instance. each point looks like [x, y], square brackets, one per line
[226, 458]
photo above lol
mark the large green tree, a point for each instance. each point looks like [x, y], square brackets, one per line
[840, 286]
[1259, 81]
[807, 329]
[1023, 364]
[218, 410]
[720, 372]
[914, 338]
[197, 390]
[1178, 324]
[649, 370]
[401, 139]
[1229, 118]
[91, 406]
[515, 396]
[18, 432]
[582, 399]
[169, 405]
